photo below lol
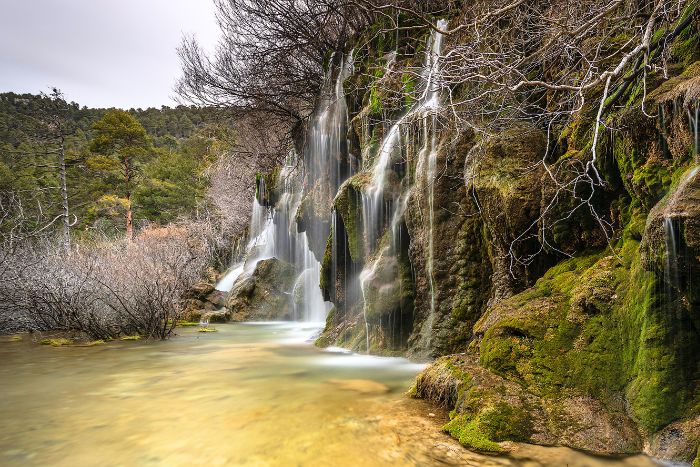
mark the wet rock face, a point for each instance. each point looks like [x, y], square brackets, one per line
[670, 254]
[461, 279]
[679, 440]
[265, 295]
[505, 176]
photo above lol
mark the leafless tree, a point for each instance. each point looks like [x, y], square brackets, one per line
[545, 64]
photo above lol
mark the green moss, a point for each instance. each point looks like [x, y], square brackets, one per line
[270, 195]
[186, 324]
[207, 329]
[135, 337]
[347, 203]
[58, 342]
[696, 462]
[497, 422]
[467, 432]
[655, 392]
[409, 88]
[686, 47]
[562, 333]
[597, 324]
[326, 279]
[324, 340]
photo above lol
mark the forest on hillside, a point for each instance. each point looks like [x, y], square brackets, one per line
[108, 216]
[179, 146]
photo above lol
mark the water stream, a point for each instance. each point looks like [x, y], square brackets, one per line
[376, 210]
[247, 395]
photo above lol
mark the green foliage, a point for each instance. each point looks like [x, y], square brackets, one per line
[169, 148]
[409, 89]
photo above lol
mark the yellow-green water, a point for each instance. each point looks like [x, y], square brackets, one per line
[249, 394]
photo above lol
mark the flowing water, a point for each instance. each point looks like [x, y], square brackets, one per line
[274, 234]
[249, 394]
[376, 211]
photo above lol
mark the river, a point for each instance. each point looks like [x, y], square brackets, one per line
[248, 394]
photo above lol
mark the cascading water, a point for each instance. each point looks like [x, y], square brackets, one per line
[273, 230]
[377, 211]
[670, 264]
[427, 163]
[327, 161]
[260, 241]
[694, 123]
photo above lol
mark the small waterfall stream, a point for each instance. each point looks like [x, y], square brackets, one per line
[694, 123]
[274, 232]
[671, 282]
[376, 210]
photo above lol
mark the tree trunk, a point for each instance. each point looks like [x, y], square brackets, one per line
[129, 221]
[64, 195]
[129, 214]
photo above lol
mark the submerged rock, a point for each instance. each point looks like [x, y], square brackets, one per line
[363, 386]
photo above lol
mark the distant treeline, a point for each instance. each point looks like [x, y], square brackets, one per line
[168, 165]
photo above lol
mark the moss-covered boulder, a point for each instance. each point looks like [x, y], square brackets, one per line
[489, 408]
[603, 362]
[264, 294]
[348, 205]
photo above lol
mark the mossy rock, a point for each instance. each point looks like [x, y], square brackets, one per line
[135, 337]
[488, 409]
[56, 342]
[264, 294]
[505, 175]
[348, 204]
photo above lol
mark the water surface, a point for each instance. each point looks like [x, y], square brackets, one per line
[249, 394]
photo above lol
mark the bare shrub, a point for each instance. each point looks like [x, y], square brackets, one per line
[104, 290]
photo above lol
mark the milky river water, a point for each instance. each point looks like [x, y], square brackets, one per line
[249, 394]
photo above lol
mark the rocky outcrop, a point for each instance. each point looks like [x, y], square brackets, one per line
[555, 282]
[203, 298]
[265, 294]
[489, 408]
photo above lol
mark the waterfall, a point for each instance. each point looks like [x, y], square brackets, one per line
[671, 281]
[327, 161]
[260, 241]
[377, 211]
[274, 232]
[429, 153]
[693, 123]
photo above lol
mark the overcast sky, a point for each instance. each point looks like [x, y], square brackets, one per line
[100, 53]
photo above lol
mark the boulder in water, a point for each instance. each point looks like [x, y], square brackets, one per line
[264, 294]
